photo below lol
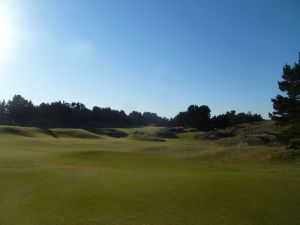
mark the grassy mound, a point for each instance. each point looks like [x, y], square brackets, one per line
[111, 132]
[166, 133]
[154, 134]
[22, 131]
[73, 133]
[140, 135]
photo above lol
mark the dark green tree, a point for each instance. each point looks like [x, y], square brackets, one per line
[20, 110]
[3, 111]
[136, 118]
[199, 117]
[81, 114]
[287, 106]
[2, 107]
[195, 116]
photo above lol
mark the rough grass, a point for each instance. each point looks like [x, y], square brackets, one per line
[73, 180]
[255, 134]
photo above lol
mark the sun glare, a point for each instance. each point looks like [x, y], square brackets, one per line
[6, 32]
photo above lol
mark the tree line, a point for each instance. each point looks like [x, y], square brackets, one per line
[20, 111]
[200, 117]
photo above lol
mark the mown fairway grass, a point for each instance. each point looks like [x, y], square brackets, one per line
[99, 180]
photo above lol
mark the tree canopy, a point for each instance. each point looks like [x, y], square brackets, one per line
[287, 106]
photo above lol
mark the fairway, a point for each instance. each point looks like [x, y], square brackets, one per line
[75, 177]
[149, 112]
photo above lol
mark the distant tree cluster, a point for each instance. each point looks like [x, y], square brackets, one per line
[195, 116]
[147, 118]
[199, 117]
[232, 118]
[20, 111]
[287, 107]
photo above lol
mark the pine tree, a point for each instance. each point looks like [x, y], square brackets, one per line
[287, 108]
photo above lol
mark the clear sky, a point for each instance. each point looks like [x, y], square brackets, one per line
[148, 55]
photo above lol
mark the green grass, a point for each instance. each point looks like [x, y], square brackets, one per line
[77, 177]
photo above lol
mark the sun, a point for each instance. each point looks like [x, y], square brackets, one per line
[6, 32]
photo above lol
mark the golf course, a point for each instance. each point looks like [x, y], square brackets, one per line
[138, 112]
[139, 176]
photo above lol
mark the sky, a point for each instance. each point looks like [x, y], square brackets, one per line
[159, 55]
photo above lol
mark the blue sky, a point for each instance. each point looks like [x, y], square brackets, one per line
[158, 55]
